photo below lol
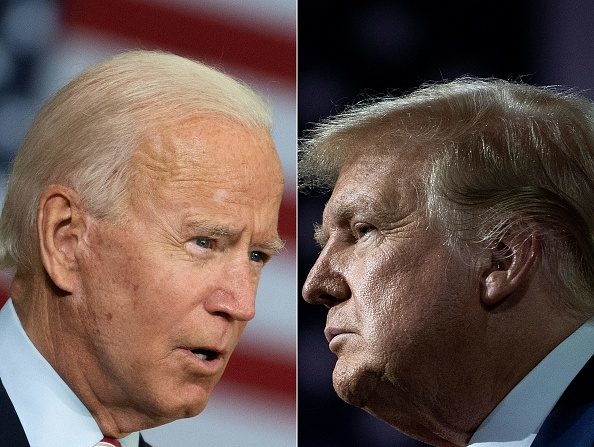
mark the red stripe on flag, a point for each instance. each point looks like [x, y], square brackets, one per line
[195, 34]
[253, 370]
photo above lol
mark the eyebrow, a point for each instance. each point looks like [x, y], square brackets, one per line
[359, 205]
[320, 235]
[381, 207]
[274, 246]
[199, 226]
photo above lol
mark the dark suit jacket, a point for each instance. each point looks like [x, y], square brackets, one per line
[571, 423]
[11, 430]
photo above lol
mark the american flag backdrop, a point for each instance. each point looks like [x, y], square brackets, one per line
[44, 43]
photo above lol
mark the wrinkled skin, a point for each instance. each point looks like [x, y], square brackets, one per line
[179, 272]
[398, 300]
[426, 338]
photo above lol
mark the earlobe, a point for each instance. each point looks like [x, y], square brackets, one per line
[511, 265]
[60, 228]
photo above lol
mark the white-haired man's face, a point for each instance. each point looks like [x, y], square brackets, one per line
[403, 309]
[165, 296]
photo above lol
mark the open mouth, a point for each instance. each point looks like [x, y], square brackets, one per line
[205, 354]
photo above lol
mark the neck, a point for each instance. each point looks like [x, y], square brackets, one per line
[54, 329]
[500, 350]
[515, 344]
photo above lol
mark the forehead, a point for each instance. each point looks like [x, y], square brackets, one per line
[212, 149]
[382, 145]
[380, 180]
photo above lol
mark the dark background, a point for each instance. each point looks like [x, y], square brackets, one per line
[348, 51]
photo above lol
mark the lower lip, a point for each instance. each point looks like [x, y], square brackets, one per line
[202, 366]
[337, 341]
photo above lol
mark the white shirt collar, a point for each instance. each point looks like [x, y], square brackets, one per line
[518, 417]
[49, 411]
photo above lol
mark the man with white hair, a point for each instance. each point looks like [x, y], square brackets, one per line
[141, 208]
[457, 261]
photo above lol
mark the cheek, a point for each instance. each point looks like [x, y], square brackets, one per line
[113, 267]
[163, 296]
[396, 298]
[132, 302]
[382, 293]
[220, 195]
[238, 329]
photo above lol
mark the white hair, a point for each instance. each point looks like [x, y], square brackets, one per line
[85, 136]
[503, 157]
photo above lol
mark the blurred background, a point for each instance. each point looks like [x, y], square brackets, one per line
[44, 43]
[347, 53]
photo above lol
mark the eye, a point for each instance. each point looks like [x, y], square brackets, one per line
[204, 242]
[258, 256]
[361, 229]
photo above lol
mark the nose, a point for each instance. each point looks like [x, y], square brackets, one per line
[234, 297]
[325, 283]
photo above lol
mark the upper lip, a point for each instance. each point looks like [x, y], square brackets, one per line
[331, 332]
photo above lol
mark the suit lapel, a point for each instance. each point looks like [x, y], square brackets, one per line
[571, 423]
[11, 430]
[143, 443]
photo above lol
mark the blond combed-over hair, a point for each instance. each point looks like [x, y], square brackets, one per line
[85, 136]
[501, 158]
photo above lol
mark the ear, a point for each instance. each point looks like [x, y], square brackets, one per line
[511, 265]
[60, 227]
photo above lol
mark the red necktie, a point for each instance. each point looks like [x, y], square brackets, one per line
[108, 442]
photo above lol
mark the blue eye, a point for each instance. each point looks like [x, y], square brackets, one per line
[204, 242]
[258, 256]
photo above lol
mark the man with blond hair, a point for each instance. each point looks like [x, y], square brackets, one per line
[141, 208]
[457, 261]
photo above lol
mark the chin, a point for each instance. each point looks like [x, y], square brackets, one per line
[193, 409]
[354, 382]
[182, 402]
[181, 410]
